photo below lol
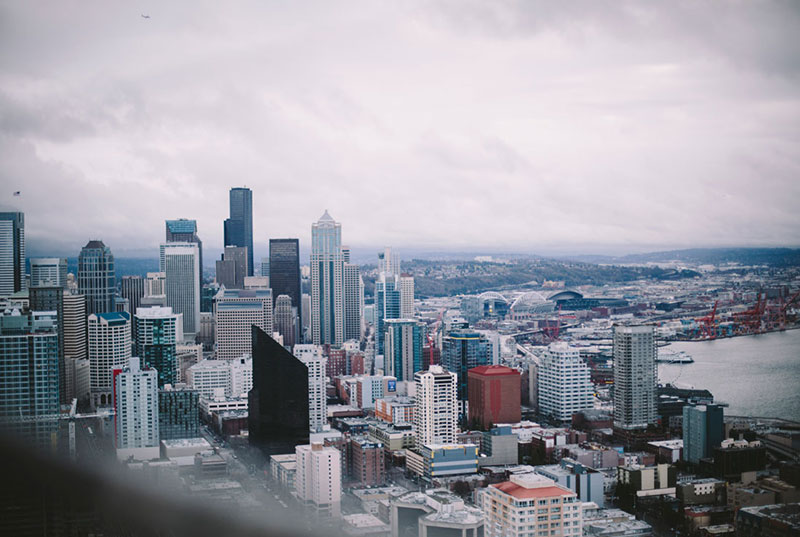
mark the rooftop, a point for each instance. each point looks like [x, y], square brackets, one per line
[494, 370]
[523, 486]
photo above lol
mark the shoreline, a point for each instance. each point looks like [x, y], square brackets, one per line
[777, 331]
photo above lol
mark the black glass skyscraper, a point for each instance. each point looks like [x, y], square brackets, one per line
[278, 403]
[284, 271]
[239, 227]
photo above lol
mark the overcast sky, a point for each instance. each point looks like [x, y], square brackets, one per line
[517, 126]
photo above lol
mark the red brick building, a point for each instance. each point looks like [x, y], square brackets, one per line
[494, 395]
[367, 462]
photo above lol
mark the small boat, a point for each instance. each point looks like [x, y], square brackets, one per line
[669, 356]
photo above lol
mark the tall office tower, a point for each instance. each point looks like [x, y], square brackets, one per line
[73, 325]
[155, 284]
[387, 306]
[406, 282]
[436, 409]
[12, 253]
[178, 413]
[286, 320]
[183, 230]
[263, 269]
[318, 479]
[158, 331]
[388, 262]
[96, 278]
[284, 272]
[278, 403]
[239, 227]
[182, 283]
[564, 384]
[327, 293]
[235, 312]
[494, 395]
[136, 399]
[109, 349]
[232, 268]
[29, 384]
[52, 299]
[311, 356]
[703, 430]
[305, 317]
[531, 504]
[461, 351]
[635, 377]
[49, 272]
[403, 349]
[352, 301]
[132, 288]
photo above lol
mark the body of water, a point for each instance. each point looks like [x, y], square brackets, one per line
[756, 375]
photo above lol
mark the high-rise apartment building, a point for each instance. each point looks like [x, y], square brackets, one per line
[387, 306]
[406, 286]
[49, 272]
[311, 356]
[327, 286]
[96, 278]
[436, 409]
[703, 430]
[73, 344]
[132, 288]
[284, 272]
[178, 413]
[403, 348]
[29, 375]
[12, 253]
[109, 349]
[368, 466]
[155, 284]
[182, 283]
[285, 320]
[232, 268]
[564, 384]
[352, 301]
[51, 299]
[494, 395]
[235, 312]
[183, 230]
[158, 331]
[238, 230]
[635, 377]
[463, 350]
[318, 479]
[136, 399]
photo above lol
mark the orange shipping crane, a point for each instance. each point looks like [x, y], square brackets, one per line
[707, 323]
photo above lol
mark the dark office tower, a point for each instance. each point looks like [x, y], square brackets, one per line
[278, 403]
[183, 230]
[285, 320]
[178, 413]
[387, 306]
[352, 301]
[12, 253]
[284, 271]
[96, 279]
[52, 299]
[239, 227]
[132, 288]
[232, 268]
[463, 350]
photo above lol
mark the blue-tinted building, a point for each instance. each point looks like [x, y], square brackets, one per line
[158, 332]
[12, 253]
[703, 430]
[238, 229]
[96, 277]
[461, 351]
[178, 414]
[404, 339]
[387, 306]
[440, 460]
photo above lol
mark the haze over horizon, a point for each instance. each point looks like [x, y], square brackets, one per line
[480, 127]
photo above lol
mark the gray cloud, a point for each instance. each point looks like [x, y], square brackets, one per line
[516, 125]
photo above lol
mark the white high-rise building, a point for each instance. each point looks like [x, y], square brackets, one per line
[212, 378]
[318, 480]
[109, 336]
[137, 413]
[181, 264]
[241, 375]
[74, 311]
[436, 412]
[12, 253]
[406, 284]
[49, 272]
[155, 284]
[311, 356]
[235, 312]
[635, 377]
[564, 382]
[327, 282]
[388, 262]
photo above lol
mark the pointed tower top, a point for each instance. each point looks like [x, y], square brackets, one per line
[326, 217]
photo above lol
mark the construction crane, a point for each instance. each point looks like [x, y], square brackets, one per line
[707, 323]
[784, 307]
[72, 416]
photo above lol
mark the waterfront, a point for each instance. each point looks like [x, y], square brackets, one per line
[756, 375]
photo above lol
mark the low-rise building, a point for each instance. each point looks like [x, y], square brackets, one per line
[282, 469]
[586, 482]
[769, 520]
[434, 512]
[442, 460]
[701, 491]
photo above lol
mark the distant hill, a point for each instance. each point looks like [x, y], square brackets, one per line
[774, 257]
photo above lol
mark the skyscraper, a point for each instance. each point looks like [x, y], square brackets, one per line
[96, 279]
[327, 292]
[564, 384]
[158, 332]
[403, 349]
[285, 320]
[284, 271]
[436, 406]
[352, 301]
[311, 356]
[235, 312]
[278, 403]
[703, 430]
[49, 272]
[132, 288]
[635, 377]
[182, 283]
[388, 262]
[73, 325]
[136, 392]
[109, 349]
[406, 284]
[52, 299]
[12, 253]
[183, 230]
[318, 480]
[239, 227]
[387, 306]
[463, 350]
[232, 268]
